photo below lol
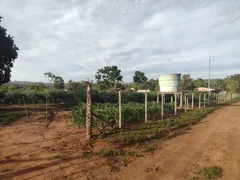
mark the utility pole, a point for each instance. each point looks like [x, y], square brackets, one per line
[209, 70]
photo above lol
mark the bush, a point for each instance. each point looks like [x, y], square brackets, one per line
[35, 96]
[131, 112]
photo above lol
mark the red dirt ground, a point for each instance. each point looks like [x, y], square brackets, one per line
[32, 151]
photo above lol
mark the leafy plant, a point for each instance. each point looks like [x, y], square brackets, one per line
[131, 112]
[211, 172]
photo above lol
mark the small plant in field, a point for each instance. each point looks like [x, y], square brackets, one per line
[131, 112]
[210, 173]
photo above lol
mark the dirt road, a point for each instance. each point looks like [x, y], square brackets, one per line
[31, 151]
[213, 142]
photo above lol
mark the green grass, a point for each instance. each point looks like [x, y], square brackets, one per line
[10, 117]
[210, 173]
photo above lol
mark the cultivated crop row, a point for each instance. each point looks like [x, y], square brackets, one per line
[109, 112]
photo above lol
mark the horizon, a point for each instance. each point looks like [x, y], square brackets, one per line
[74, 39]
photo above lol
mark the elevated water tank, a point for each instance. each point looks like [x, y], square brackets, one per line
[169, 83]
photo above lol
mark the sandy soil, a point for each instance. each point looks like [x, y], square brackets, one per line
[32, 151]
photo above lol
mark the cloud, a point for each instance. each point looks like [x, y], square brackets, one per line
[74, 38]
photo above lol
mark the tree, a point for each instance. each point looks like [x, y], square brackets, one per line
[50, 76]
[8, 54]
[233, 86]
[58, 81]
[200, 83]
[235, 77]
[139, 77]
[152, 84]
[108, 76]
[233, 83]
[186, 83]
[219, 84]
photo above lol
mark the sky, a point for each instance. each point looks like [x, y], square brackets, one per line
[75, 38]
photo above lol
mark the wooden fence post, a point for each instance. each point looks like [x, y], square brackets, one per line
[204, 100]
[120, 109]
[185, 102]
[46, 109]
[146, 107]
[192, 100]
[199, 99]
[216, 98]
[175, 104]
[162, 105]
[89, 113]
[181, 100]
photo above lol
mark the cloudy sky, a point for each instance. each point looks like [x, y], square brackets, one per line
[74, 38]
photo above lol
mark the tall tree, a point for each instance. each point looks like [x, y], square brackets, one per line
[139, 77]
[8, 54]
[152, 84]
[219, 84]
[50, 76]
[108, 76]
[233, 83]
[200, 83]
[186, 83]
[58, 81]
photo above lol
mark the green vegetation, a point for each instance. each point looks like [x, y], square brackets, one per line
[18, 96]
[108, 76]
[8, 54]
[10, 117]
[131, 112]
[186, 83]
[139, 77]
[58, 82]
[210, 173]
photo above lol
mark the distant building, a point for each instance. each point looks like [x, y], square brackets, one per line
[203, 89]
[142, 91]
